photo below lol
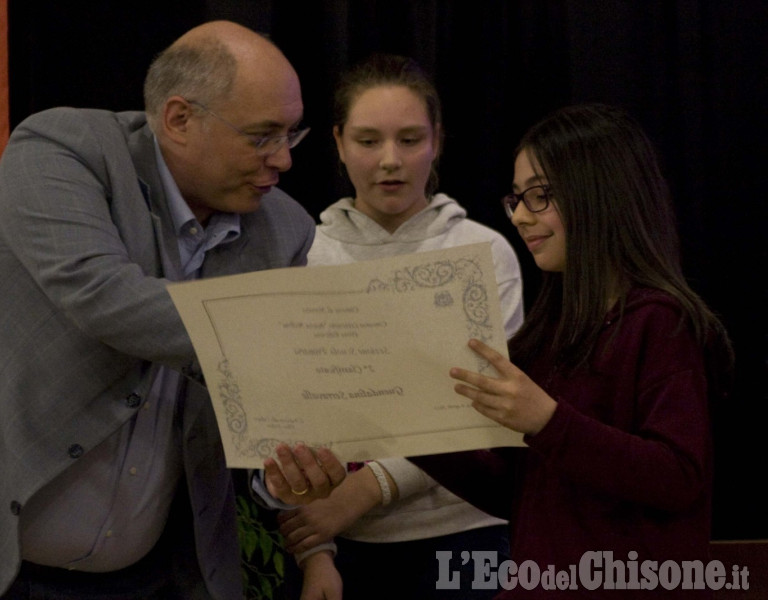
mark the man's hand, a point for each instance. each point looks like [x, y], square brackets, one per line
[318, 523]
[302, 475]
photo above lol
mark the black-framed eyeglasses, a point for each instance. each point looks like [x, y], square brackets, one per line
[536, 199]
[264, 145]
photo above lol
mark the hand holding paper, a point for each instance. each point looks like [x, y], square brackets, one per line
[302, 475]
[510, 398]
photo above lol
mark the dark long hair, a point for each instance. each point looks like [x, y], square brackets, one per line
[381, 69]
[620, 232]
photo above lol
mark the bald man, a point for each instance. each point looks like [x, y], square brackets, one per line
[112, 476]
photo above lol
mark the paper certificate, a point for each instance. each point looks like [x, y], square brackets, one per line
[353, 357]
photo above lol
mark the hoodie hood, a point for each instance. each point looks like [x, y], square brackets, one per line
[342, 222]
[346, 235]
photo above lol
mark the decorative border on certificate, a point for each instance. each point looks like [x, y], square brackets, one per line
[434, 275]
[438, 274]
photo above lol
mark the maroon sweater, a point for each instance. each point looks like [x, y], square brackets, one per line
[624, 465]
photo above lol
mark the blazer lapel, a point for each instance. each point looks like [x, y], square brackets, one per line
[142, 148]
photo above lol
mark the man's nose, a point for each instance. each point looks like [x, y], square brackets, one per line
[280, 160]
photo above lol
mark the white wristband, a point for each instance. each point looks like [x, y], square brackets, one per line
[378, 471]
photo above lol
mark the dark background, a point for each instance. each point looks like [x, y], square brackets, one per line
[693, 72]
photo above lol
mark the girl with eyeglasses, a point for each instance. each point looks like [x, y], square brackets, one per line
[611, 378]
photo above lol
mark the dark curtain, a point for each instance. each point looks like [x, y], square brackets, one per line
[692, 71]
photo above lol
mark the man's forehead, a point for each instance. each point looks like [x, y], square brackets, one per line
[262, 118]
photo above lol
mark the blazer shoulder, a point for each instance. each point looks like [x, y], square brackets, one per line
[65, 119]
[100, 139]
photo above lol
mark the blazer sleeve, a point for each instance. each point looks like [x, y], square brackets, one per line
[63, 176]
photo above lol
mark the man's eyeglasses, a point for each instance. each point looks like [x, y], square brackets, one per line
[264, 145]
[535, 198]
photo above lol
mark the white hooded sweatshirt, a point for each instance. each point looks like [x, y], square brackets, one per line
[424, 508]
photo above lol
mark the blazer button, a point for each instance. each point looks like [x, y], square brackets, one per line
[133, 400]
[75, 451]
[15, 507]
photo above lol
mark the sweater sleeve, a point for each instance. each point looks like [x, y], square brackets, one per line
[409, 478]
[661, 456]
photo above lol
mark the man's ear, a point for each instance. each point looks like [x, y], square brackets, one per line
[175, 119]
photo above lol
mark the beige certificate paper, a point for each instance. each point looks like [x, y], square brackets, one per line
[352, 357]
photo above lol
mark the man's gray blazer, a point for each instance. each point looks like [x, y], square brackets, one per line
[85, 240]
